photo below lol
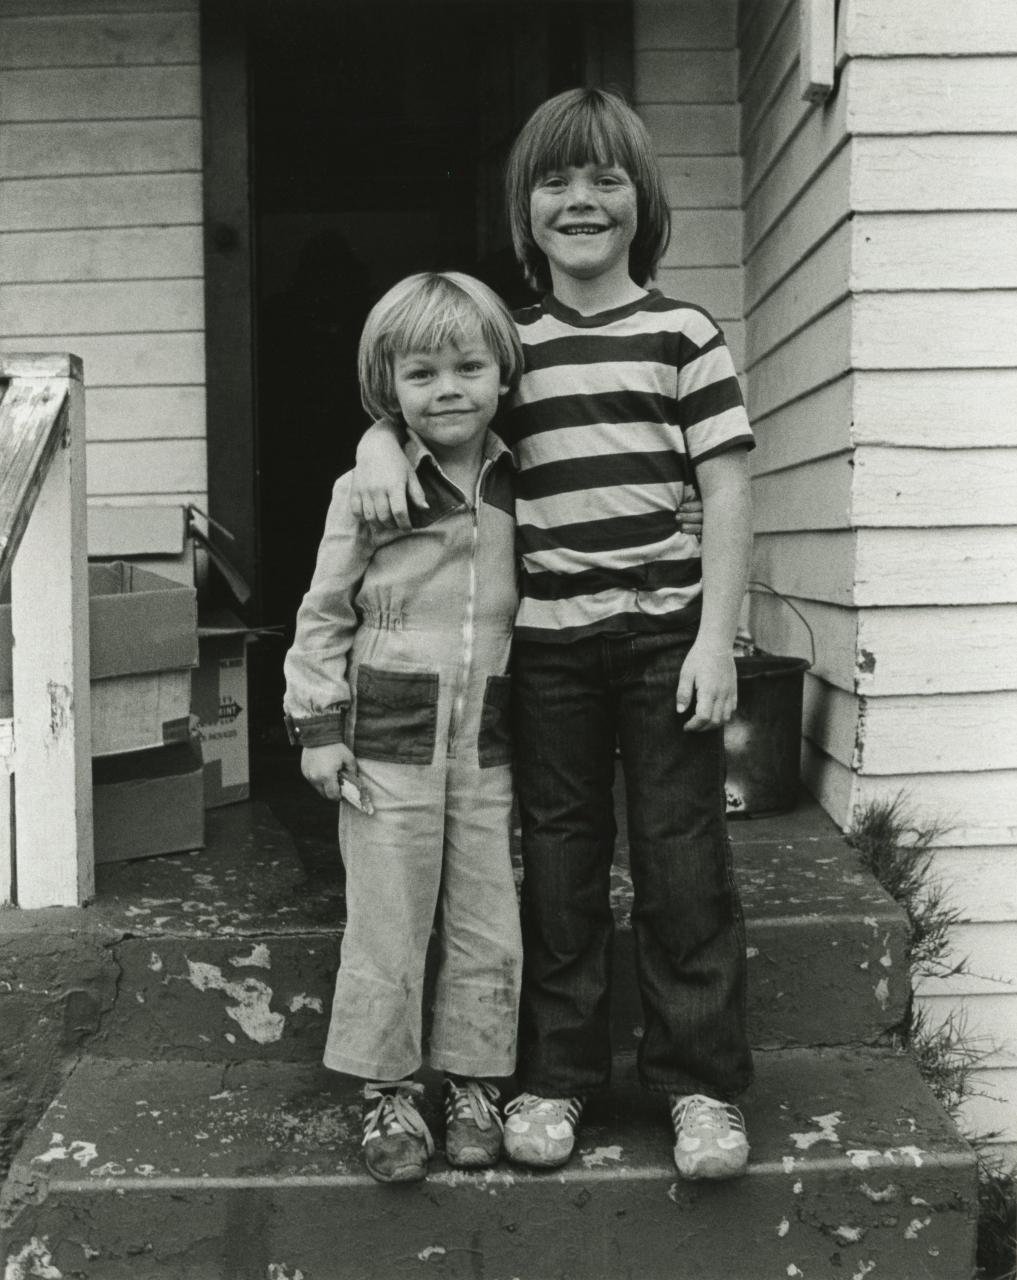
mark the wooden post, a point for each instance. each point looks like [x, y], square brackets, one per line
[52, 710]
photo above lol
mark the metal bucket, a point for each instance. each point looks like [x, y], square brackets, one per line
[764, 739]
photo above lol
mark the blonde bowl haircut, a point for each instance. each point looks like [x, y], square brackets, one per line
[423, 313]
[576, 128]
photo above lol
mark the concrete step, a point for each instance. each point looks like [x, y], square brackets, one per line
[232, 952]
[252, 1171]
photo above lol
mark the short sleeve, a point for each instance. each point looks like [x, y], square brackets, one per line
[711, 407]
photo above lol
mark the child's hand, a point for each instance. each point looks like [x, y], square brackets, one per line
[382, 480]
[709, 679]
[690, 513]
[321, 765]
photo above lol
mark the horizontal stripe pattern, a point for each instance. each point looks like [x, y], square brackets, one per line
[612, 412]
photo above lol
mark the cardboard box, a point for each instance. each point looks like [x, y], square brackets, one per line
[148, 802]
[219, 703]
[143, 643]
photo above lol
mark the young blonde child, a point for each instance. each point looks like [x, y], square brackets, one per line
[624, 637]
[396, 688]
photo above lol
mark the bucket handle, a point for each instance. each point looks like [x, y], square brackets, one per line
[765, 586]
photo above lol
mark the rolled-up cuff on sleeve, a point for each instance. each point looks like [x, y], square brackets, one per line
[316, 731]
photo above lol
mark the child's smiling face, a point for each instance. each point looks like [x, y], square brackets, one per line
[583, 217]
[449, 396]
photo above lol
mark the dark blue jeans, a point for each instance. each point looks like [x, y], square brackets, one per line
[572, 703]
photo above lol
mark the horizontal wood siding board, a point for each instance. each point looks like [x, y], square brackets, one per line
[102, 307]
[793, 230]
[686, 76]
[813, 357]
[950, 330]
[137, 413]
[983, 1017]
[704, 237]
[75, 8]
[980, 883]
[139, 200]
[130, 359]
[50, 150]
[943, 172]
[690, 130]
[931, 95]
[153, 466]
[895, 567]
[816, 495]
[991, 1112]
[769, 74]
[815, 426]
[777, 629]
[935, 408]
[92, 39]
[693, 24]
[990, 955]
[718, 289]
[758, 23]
[818, 282]
[878, 29]
[138, 253]
[956, 250]
[928, 488]
[100, 93]
[969, 649]
[703, 182]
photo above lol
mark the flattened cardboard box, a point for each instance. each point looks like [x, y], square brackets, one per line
[148, 802]
[143, 642]
[220, 705]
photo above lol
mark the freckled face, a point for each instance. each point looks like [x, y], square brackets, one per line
[584, 218]
[449, 396]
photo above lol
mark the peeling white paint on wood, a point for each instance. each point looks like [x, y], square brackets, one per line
[921, 95]
[935, 408]
[940, 171]
[954, 250]
[929, 26]
[949, 330]
[924, 488]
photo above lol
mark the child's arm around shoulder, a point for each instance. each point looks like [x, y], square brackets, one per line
[708, 674]
[383, 479]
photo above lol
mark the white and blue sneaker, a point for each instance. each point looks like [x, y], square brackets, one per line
[709, 1137]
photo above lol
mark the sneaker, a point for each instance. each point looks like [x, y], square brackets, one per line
[710, 1140]
[397, 1142]
[473, 1125]
[541, 1131]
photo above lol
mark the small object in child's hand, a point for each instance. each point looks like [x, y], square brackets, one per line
[354, 792]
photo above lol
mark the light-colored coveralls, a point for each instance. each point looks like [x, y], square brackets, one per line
[412, 630]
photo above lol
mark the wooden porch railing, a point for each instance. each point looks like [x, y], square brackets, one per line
[46, 856]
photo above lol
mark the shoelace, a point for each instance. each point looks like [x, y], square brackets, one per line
[396, 1112]
[695, 1108]
[473, 1100]
[559, 1108]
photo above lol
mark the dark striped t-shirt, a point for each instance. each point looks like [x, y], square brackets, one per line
[613, 413]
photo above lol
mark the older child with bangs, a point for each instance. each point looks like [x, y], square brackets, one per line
[397, 690]
[623, 638]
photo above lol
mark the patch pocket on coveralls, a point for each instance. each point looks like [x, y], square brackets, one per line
[494, 743]
[396, 715]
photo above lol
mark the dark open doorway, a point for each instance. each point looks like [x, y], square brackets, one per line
[373, 136]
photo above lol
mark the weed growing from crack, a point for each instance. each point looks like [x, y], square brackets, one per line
[897, 851]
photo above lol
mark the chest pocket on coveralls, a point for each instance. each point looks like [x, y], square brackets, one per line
[494, 744]
[396, 715]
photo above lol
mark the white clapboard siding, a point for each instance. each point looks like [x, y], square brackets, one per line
[983, 1017]
[922, 95]
[816, 495]
[129, 359]
[102, 307]
[814, 426]
[990, 1114]
[990, 952]
[936, 408]
[85, 203]
[955, 250]
[152, 466]
[777, 61]
[876, 29]
[718, 289]
[704, 237]
[83, 147]
[973, 644]
[77, 8]
[46, 40]
[693, 24]
[947, 330]
[814, 565]
[140, 413]
[833, 627]
[123, 253]
[99, 93]
[757, 25]
[818, 283]
[811, 358]
[692, 130]
[699, 75]
[939, 171]
[979, 883]
[703, 182]
[927, 488]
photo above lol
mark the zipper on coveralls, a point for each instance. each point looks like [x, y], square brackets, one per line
[459, 702]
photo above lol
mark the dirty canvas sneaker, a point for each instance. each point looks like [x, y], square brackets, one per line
[541, 1131]
[710, 1140]
[473, 1125]
[397, 1142]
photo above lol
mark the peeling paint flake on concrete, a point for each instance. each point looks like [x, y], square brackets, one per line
[783, 1227]
[599, 1156]
[281, 1271]
[32, 1262]
[885, 1194]
[864, 1157]
[304, 1001]
[260, 958]
[789, 1163]
[914, 1226]
[864, 1269]
[155, 962]
[849, 1235]
[792, 1270]
[251, 1012]
[882, 993]
[827, 1131]
[432, 1251]
[82, 1153]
